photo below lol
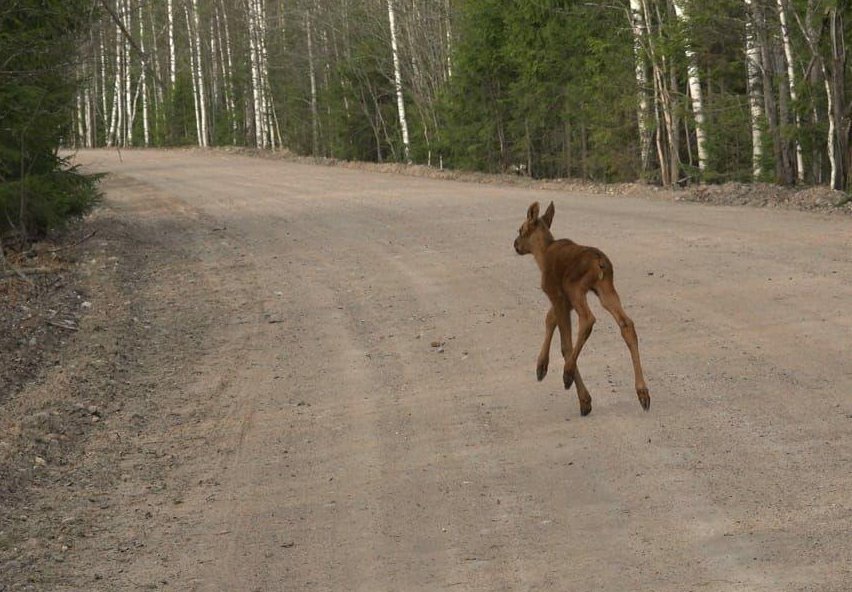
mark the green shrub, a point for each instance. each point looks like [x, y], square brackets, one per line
[38, 45]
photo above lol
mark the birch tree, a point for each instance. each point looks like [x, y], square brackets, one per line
[754, 94]
[637, 21]
[791, 82]
[262, 101]
[192, 67]
[227, 63]
[126, 77]
[664, 111]
[397, 76]
[199, 75]
[695, 91]
[143, 82]
[833, 74]
[313, 77]
[172, 59]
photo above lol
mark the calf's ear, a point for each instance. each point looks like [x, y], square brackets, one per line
[532, 212]
[548, 215]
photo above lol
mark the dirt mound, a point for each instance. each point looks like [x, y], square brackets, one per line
[765, 195]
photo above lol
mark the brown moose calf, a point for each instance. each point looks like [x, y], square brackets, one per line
[568, 273]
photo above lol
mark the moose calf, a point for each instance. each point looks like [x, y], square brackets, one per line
[568, 272]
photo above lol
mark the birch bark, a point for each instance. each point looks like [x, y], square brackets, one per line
[694, 91]
[812, 37]
[312, 74]
[791, 81]
[104, 99]
[228, 67]
[754, 97]
[637, 22]
[449, 37]
[128, 82]
[254, 55]
[397, 76]
[172, 60]
[199, 74]
[194, 80]
[144, 82]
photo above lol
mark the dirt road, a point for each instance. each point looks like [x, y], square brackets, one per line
[357, 408]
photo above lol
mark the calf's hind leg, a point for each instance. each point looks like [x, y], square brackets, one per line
[612, 303]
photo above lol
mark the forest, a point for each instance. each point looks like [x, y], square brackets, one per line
[671, 92]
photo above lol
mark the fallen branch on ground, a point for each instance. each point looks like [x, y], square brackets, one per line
[79, 242]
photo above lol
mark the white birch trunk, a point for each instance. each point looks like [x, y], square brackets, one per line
[215, 55]
[637, 21]
[397, 76]
[81, 133]
[254, 56]
[172, 60]
[199, 73]
[266, 95]
[832, 130]
[754, 99]
[312, 73]
[694, 92]
[155, 58]
[194, 80]
[128, 82]
[449, 36]
[664, 116]
[812, 37]
[144, 81]
[228, 65]
[117, 118]
[104, 104]
[791, 80]
[88, 94]
[838, 110]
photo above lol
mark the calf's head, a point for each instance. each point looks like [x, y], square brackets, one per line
[534, 233]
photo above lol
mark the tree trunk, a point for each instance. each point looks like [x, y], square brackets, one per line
[271, 120]
[449, 38]
[199, 73]
[834, 94]
[754, 98]
[172, 60]
[158, 76]
[769, 72]
[194, 79]
[128, 81]
[841, 115]
[397, 75]
[637, 22]
[117, 116]
[694, 92]
[228, 65]
[107, 117]
[312, 73]
[791, 81]
[144, 82]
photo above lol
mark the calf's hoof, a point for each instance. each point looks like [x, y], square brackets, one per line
[568, 379]
[541, 370]
[585, 407]
[644, 398]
